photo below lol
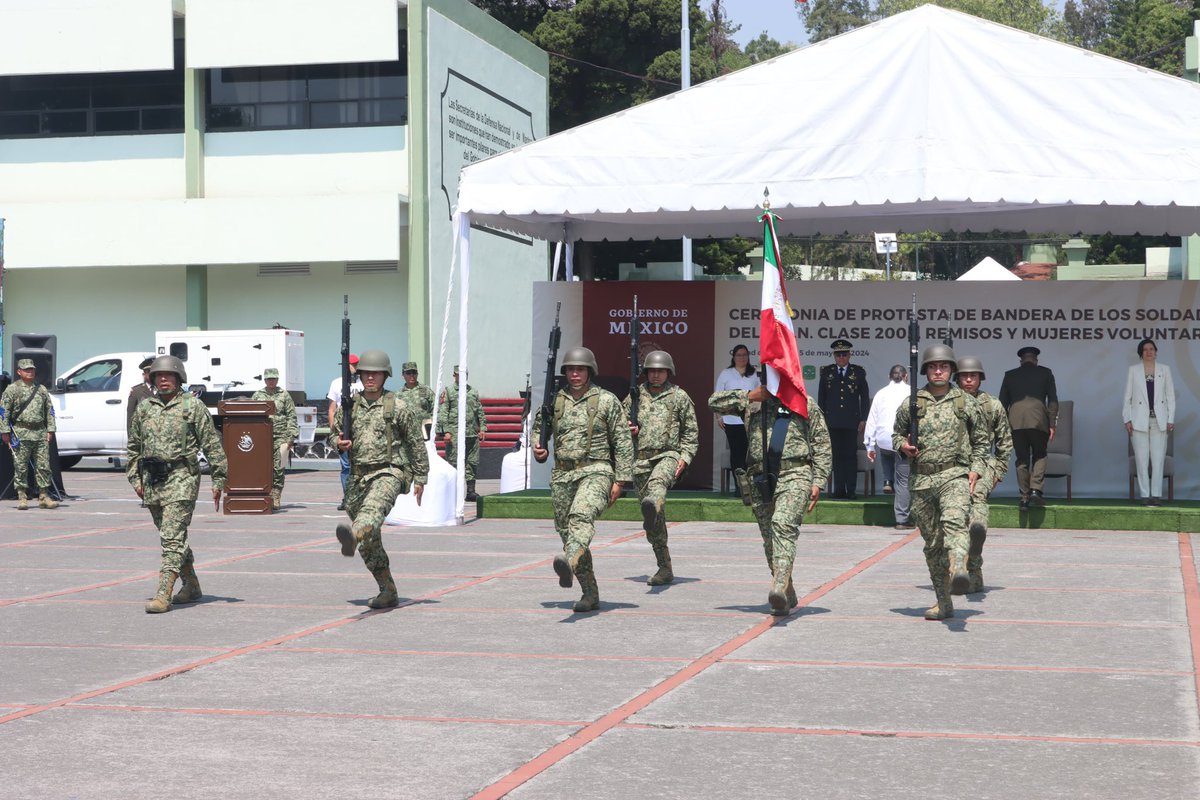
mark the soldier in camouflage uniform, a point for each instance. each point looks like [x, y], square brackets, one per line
[284, 429]
[667, 438]
[952, 451]
[387, 455]
[27, 408]
[415, 393]
[1000, 447]
[167, 431]
[593, 459]
[804, 466]
[447, 428]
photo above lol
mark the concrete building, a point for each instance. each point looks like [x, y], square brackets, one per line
[208, 164]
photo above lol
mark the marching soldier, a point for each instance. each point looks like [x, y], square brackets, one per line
[415, 393]
[667, 437]
[845, 401]
[783, 483]
[951, 454]
[387, 455]
[284, 429]
[970, 376]
[168, 429]
[28, 410]
[593, 459]
[476, 430]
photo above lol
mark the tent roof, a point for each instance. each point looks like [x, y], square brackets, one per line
[927, 120]
[988, 270]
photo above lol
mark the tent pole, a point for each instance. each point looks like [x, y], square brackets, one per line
[685, 80]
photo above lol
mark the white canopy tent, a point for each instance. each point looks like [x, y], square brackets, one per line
[988, 270]
[928, 120]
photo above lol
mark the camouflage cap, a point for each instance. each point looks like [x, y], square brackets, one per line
[270, 372]
[26, 363]
[409, 366]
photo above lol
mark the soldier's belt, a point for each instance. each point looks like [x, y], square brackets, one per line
[930, 467]
[358, 470]
[576, 463]
[795, 462]
[646, 453]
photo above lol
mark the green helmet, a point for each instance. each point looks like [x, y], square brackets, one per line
[939, 352]
[971, 364]
[168, 364]
[375, 361]
[579, 357]
[659, 359]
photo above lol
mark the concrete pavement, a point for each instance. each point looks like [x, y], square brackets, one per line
[1073, 676]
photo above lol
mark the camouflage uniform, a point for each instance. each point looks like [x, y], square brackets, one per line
[1000, 448]
[807, 459]
[667, 433]
[387, 456]
[448, 423]
[173, 430]
[419, 398]
[284, 429]
[31, 427]
[592, 450]
[952, 441]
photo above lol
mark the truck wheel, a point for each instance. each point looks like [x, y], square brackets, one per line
[66, 462]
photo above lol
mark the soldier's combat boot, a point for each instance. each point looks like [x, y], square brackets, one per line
[387, 597]
[777, 597]
[959, 580]
[792, 599]
[591, 594]
[189, 583]
[162, 600]
[46, 501]
[346, 537]
[22, 501]
[976, 578]
[649, 514]
[471, 495]
[944, 607]
[565, 564]
[276, 499]
[664, 575]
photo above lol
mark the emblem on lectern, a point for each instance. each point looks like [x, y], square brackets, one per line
[245, 444]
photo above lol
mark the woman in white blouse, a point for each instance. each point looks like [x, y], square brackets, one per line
[738, 375]
[1149, 414]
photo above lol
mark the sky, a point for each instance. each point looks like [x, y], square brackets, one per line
[777, 17]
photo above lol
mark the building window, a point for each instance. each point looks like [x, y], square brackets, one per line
[94, 104]
[308, 96]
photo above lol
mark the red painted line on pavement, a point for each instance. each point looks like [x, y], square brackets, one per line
[994, 621]
[1169, 673]
[1191, 597]
[484, 654]
[263, 712]
[1007, 589]
[94, 532]
[594, 730]
[882, 734]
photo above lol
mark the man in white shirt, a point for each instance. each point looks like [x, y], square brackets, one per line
[335, 400]
[877, 436]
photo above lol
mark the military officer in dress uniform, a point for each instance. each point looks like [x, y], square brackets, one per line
[1029, 396]
[845, 401]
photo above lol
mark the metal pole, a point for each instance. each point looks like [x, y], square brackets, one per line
[685, 80]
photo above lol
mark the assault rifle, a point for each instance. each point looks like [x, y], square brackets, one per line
[347, 378]
[547, 410]
[914, 341]
[634, 329]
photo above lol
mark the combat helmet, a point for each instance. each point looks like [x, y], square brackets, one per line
[169, 364]
[659, 359]
[939, 352]
[375, 361]
[579, 357]
[971, 364]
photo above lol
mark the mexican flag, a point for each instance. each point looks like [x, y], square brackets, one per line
[777, 338]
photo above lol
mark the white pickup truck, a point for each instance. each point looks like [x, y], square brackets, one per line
[91, 401]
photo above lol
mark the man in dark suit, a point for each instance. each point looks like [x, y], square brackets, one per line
[845, 400]
[1029, 396]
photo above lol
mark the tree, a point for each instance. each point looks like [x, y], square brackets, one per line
[1085, 23]
[522, 15]
[1150, 32]
[764, 48]
[1027, 15]
[824, 19]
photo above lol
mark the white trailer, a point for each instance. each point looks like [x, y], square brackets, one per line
[222, 360]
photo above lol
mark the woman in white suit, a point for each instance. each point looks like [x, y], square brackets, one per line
[1149, 414]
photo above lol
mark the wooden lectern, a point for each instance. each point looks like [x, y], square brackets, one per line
[247, 436]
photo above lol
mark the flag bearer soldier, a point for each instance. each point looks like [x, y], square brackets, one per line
[387, 455]
[667, 438]
[593, 459]
[1000, 446]
[168, 429]
[796, 462]
[951, 452]
[28, 410]
[845, 401]
[284, 429]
